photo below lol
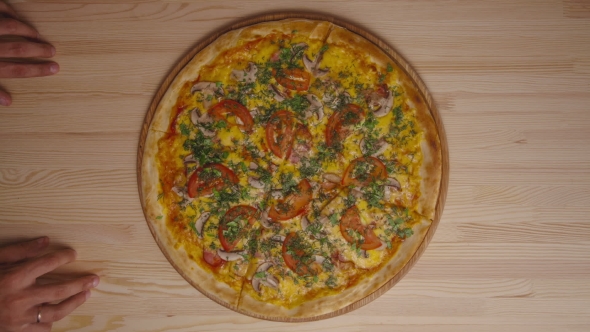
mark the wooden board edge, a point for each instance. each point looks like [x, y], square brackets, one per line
[400, 60]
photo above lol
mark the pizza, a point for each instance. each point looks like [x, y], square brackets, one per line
[292, 168]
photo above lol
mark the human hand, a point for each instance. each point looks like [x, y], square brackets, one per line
[23, 301]
[28, 47]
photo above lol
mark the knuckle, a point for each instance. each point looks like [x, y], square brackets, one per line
[15, 301]
[58, 314]
[10, 280]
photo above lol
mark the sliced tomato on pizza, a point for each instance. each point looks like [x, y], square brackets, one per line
[339, 124]
[292, 79]
[294, 204]
[355, 232]
[234, 224]
[243, 118]
[279, 133]
[298, 256]
[364, 170]
[208, 178]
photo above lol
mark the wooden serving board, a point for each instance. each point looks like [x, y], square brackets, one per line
[397, 58]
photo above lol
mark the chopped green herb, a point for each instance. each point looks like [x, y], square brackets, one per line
[184, 129]
[205, 150]
[331, 282]
[334, 219]
[192, 226]
[399, 114]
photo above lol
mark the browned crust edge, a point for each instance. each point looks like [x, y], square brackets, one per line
[425, 234]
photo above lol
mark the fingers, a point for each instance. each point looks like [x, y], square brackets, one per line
[26, 49]
[6, 9]
[18, 70]
[23, 250]
[53, 312]
[41, 327]
[10, 26]
[47, 263]
[62, 290]
[5, 100]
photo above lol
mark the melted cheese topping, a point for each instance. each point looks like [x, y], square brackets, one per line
[334, 263]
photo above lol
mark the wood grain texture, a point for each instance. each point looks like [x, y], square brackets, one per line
[511, 80]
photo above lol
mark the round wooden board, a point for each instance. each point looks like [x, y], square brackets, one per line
[400, 61]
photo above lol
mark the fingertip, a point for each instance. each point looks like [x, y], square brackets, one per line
[87, 294]
[42, 241]
[70, 253]
[74, 253]
[95, 281]
[5, 101]
[54, 67]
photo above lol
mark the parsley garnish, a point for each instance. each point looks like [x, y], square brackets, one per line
[399, 114]
[184, 129]
[331, 282]
[334, 219]
[192, 226]
[298, 104]
[288, 183]
[204, 150]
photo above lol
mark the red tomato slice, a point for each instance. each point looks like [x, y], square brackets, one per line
[337, 129]
[212, 258]
[351, 222]
[294, 204]
[300, 262]
[209, 177]
[292, 79]
[302, 136]
[279, 133]
[230, 235]
[363, 170]
[232, 107]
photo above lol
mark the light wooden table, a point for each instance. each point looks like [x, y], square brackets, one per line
[511, 79]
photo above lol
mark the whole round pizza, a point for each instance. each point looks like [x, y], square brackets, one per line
[291, 169]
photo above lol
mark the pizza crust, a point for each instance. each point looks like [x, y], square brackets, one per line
[362, 293]
[323, 307]
[431, 169]
[176, 254]
[313, 29]
[198, 277]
